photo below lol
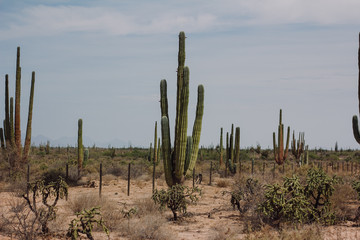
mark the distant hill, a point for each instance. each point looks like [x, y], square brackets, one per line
[72, 141]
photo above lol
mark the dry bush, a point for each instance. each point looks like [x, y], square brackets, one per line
[341, 201]
[110, 212]
[151, 226]
[308, 232]
[223, 183]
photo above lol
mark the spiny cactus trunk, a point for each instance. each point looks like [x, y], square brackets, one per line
[80, 148]
[181, 160]
[7, 128]
[17, 105]
[237, 145]
[355, 124]
[28, 128]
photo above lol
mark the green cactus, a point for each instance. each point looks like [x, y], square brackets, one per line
[28, 128]
[86, 156]
[237, 145]
[297, 147]
[355, 124]
[12, 131]
[155, 159]
[233, 155]
[221, 147]
[279, 153]
[2, 139]
[181, 160]
[80, 147]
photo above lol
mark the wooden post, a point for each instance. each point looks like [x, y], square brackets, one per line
[210, 172]
[67, 172]
[128, 190]
[100, 181]
[252, 167]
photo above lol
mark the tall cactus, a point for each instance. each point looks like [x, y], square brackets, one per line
[181, 160]
[355, 124]
[155, 144]
[279, 153]
[12, 130]
[233, 152]
[221, 147]
[80, 147]
[297, 147]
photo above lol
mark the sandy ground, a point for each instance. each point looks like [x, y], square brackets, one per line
[212, 218]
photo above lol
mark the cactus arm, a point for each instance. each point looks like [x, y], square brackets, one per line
[221, 146]
[231, 156]
[355, 126]
[80, 147]
[155, 143]
[163, 98]
[7, 113]
[17, 104]
[180, 151]
[189, 143]
[237, 145]
[166, 150]
[12, 134]
[197, 128]
[287, 143]
[28, 128]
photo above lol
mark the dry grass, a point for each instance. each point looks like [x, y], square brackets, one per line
[308, 232]
[223, 183]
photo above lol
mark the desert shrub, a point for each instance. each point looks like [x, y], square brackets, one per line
[356, 186]
[223, 183]
[293, 201]
[85, 222]
[246, 195]
[47, 211]
[176, 198]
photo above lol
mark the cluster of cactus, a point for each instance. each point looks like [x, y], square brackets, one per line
[10, 134]
[355, 124]
[232, 153]
[279, 153]
[180, 161]
[297, 147]
[154, 155]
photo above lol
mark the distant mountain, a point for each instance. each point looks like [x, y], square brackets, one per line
[72, 141]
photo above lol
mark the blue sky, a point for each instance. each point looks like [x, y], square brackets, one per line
[103, 61]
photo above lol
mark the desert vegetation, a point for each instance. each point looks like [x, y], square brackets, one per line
[179, 191]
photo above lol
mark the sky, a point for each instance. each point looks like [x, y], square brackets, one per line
[102, 61]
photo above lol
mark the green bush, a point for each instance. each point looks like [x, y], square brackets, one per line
[176, 198]
[293, 201]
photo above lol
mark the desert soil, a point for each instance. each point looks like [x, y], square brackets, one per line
[211, 218]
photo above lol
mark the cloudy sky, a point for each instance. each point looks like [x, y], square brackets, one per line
[102, 61]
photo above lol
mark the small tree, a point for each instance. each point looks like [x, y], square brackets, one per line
[175, 198]
[47, 211]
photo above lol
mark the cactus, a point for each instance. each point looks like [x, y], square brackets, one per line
[297, 147]
[221, 147]
[28, 128]
[306, 155]
[12, 131]
[155, 144]
[80, 147]
[355, 124]
[233, 155]
[279, 153]
[237, 145]
[86, 156]
[181, 160]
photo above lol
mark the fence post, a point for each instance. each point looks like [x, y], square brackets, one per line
[193, 177]
[274, 171]
[210, 172]
[128, 190]
[100, 182]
